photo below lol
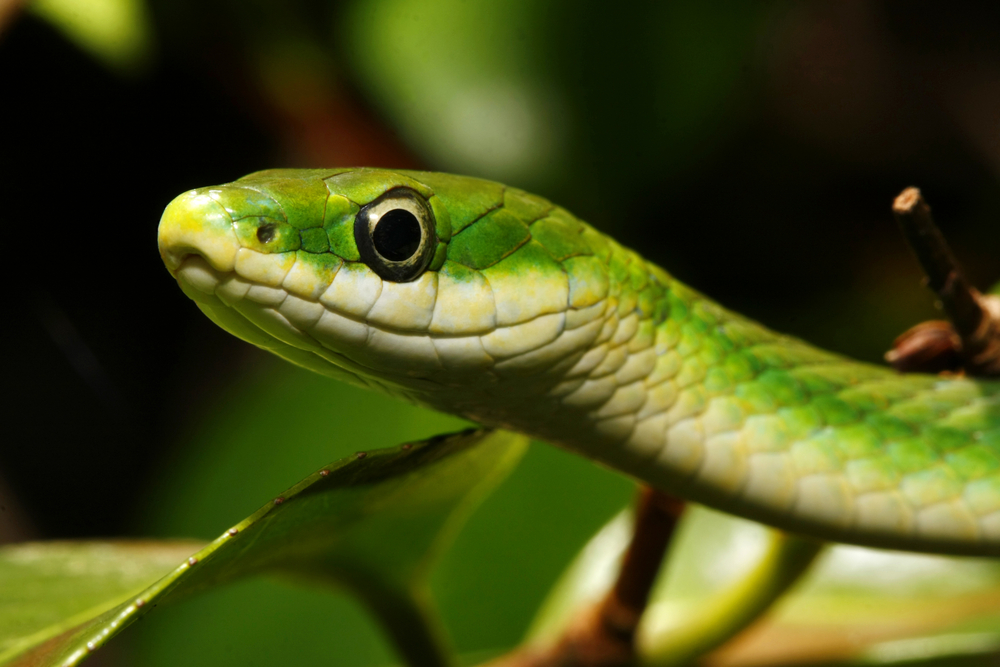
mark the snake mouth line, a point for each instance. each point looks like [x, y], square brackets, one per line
[341, 357]
[194, 272]
[202, 283]
[377, 352]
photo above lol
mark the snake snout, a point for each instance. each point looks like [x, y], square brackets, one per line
[194, 225]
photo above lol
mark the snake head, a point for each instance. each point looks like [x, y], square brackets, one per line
[403, 280]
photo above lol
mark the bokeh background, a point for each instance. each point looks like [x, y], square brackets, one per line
[751, 148]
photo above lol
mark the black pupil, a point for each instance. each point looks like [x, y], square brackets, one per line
[397, 235]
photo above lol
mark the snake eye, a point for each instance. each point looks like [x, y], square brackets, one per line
[395, 235]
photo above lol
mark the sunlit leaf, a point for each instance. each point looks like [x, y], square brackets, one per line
[116, 32]
[47, 588]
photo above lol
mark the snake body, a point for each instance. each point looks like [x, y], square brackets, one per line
[513, 313]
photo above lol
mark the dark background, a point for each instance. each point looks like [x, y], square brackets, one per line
[753, 149]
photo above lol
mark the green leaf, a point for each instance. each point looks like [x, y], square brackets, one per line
[48, 588]
[373, 523]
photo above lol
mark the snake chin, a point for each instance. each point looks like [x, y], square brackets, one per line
[416, 364]
[197, 278]
[303, 332]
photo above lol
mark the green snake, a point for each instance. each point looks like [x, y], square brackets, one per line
[491, 303]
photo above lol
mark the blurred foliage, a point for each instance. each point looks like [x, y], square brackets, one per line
[707, 594]
[752, 148]
[887, 605]
[487, 586]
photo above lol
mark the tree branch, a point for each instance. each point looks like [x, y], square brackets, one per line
[974, 338]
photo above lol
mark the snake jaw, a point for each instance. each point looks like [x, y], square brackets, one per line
[240, 247]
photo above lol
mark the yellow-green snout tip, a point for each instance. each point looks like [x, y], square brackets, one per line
[197, 241]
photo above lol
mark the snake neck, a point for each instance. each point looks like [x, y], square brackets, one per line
[652, 363]
[663, 384]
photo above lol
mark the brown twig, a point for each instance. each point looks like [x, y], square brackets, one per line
[656, 518]
[603, 635]
[974, 338]
[929, 347]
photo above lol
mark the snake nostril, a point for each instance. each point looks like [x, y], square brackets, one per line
[266, 232]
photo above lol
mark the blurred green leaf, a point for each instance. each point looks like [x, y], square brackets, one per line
[765, 574]
[567, 98]
[959, 649]
[868, 606]
[586, 581]
[513, 550]
[119, 33]
[372, 523]
[463, 81]
[864, 605]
